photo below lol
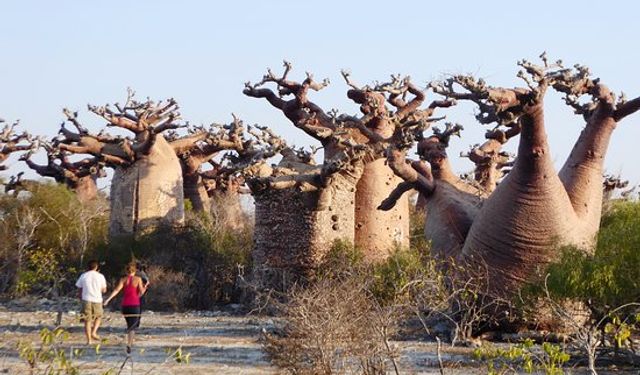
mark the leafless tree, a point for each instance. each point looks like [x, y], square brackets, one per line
[11, 142]
[23, 227]
[390, 111]
[79, 176]
[147, 186]
[321, 203]
[534, 208]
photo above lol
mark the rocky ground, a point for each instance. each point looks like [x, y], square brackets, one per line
[217, 342]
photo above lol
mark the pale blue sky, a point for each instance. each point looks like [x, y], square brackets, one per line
[70, 53]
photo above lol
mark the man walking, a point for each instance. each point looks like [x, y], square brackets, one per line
[92, 284]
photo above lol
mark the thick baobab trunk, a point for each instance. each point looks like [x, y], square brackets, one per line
[526, 217]
[86, 188]
[450, 211]
[378, 232]
[582, 172]
[292, 235]
[148, 193]
[196, 193]
[226, 207]
[452, 205]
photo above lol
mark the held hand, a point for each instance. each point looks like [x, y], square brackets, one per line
[105, 303]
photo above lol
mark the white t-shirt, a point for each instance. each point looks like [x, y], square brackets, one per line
[92, 283]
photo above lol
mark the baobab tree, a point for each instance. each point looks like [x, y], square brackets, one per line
[11, 142]
[514, 229]
[452, 206]
[296, 219]
[79, 176]
[378, 232]
[146, 189]
[198, 148]
[302, 208]
[353, 155]
[225, 192]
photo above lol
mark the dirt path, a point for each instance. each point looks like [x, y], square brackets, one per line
[218, 343]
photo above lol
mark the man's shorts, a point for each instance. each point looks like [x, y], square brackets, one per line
[91, 310]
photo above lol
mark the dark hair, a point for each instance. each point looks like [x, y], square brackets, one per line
[93, 264]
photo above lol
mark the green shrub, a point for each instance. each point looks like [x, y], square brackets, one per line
[206, 258]
[392, 278]
[387, 280]
[50, 357]
[611, 276]
[342, 260]
[523, 357]
[205, 255]
[46, 236]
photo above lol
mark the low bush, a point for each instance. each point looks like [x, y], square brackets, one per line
[203, 258]
[611, 276]
[596, 294]
[170, 289]
[523, 358]
[46, 236]
[334, 327]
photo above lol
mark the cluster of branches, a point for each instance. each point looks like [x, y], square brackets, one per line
[502, 108]
[11, 142]
[244, 149]
[144, 119]
[247, 147]
[390, 113]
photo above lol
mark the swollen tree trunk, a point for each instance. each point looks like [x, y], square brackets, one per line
[449, 203]
[379, 232]
[195, 192]
[450, 211]
[148, 193]
[533, 211]
[292, 233]
[527, 216]
[582, 173]
[86, 188]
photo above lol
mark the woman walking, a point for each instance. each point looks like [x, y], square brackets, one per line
[133, 287]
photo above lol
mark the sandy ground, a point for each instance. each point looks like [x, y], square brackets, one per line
[218, 343]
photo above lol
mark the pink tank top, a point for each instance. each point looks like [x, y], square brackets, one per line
[130, 297]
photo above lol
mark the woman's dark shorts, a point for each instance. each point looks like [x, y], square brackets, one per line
[132, 316]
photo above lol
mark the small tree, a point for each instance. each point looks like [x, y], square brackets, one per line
[79, 176]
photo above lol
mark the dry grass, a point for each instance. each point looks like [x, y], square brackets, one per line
[334, 326]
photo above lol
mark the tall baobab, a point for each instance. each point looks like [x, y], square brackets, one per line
[146, 189]
[301, 208]
[515, 228]
[352, 146]
[377, 232]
